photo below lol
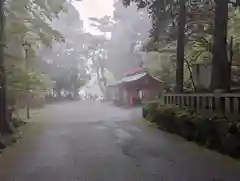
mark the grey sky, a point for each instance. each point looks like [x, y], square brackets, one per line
[93, 8]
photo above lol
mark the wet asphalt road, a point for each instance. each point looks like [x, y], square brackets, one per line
[93, 141]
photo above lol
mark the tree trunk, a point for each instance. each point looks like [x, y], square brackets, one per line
[3, 93]
[191, 75]
[100, 80]
[231, 54]
[100, 75]
[58, 91]
[220, 64]
[75, 90]
[180, 47]
[104, 80]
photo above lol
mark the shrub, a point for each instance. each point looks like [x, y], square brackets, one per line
[145, 111]
[151, 110]
[214, 131]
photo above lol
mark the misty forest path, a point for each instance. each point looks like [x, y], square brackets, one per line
[94, 141]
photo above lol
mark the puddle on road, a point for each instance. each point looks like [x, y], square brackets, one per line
[122, 136]
[102, 127]
[133, 128]
[110, 124]
[120, 118]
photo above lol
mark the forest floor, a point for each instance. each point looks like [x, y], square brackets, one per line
[95, 141]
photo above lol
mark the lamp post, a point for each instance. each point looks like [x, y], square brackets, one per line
[26, 47]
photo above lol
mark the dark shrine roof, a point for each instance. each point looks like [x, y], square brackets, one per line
[133, 78]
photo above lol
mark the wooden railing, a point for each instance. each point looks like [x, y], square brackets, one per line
[226, 103]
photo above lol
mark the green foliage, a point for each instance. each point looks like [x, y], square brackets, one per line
[214, 131]
[233, 29]
[104, 24]
[164, 15]
[68, 62]
[38, 81]
[162, 66]
[97, 47]
[203, 42]
[31, 20]
[149, 110]
[18, 78]
[199, 35]
[66, 78]
[199, 47]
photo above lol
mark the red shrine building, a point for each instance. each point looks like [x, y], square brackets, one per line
[135, 87]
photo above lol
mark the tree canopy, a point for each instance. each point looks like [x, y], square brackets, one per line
[202, 40]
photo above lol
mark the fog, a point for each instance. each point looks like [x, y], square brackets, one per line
[107, 88]
[96, 43]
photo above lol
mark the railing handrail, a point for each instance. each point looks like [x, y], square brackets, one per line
[224, 102]
[204, 94]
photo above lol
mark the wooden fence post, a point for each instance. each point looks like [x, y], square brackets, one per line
[227, 105]
[198, 103]
[210, 103]
[236, 105]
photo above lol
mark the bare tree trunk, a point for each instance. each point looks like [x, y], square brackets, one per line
[180, 47]
[99, 80]
[231, 54]
[104, 80]
[191, 75]
[3, 93]
[220, 65]
[100, 76]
